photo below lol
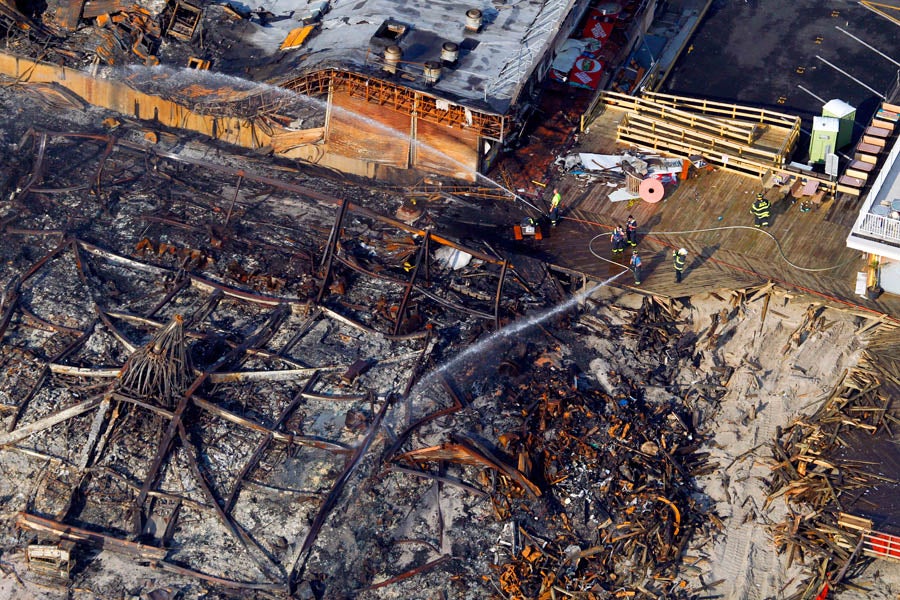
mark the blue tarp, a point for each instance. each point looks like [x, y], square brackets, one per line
[647, 51]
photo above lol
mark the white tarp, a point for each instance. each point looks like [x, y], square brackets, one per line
[622, 194]
[601, 162]
[566, 56]
[453, 258]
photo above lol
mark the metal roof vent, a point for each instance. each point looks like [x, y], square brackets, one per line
[449, 53]
[392, 56]
[388, 34]
[473, 20]
[432, 72]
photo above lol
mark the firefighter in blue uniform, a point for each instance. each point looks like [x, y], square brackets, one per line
[631, 231]
[618, 240]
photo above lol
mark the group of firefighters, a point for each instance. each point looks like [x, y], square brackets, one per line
[629, 236]
[620, 237]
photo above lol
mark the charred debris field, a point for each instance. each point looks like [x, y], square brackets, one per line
[226, 378]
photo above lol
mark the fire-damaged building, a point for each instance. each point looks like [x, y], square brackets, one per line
[408, 91]
[382, 88]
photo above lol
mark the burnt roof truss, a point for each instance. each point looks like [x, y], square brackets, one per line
[402, 99]
[168, 391]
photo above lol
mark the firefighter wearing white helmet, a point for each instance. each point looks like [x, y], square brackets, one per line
[680, 257]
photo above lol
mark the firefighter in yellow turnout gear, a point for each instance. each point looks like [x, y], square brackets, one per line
[679, 257]
[761, 210]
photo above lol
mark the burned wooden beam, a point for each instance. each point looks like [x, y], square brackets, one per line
[254, 459]
[469, 452]
[286, 438]
[237, 191]
[409, 573]
[421, 255]
[275, 588]
[499, 293]
[442, 478]
[330, 249]
[268, 566]
[333, 496]
[11, 298]
[77, 534]
[61, 355]
[20, 433]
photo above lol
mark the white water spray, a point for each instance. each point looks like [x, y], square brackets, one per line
[177, 78]
[492, 340]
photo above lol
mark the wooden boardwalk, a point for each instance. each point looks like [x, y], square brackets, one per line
[710, 216]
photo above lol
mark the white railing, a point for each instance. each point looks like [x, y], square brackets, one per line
[884, 228]
[887, 169]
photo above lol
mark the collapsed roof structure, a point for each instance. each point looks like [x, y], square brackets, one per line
[373, 87]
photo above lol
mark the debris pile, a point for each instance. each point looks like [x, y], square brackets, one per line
[595, 485]
[236, 376]
[817, 470]
[161, 370]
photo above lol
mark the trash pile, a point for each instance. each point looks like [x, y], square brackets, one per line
[593, 482]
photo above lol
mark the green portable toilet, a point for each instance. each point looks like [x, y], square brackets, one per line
[846, 114]
[824, 138]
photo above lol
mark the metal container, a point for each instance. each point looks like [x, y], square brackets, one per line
[473, 20]
[392, 56]
[432, 72]
[449, 52]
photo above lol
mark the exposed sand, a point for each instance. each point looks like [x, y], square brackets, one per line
[772, 384]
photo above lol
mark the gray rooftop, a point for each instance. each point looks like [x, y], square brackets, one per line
[493, 63]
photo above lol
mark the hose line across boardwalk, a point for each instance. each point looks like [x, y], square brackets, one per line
[723, 228]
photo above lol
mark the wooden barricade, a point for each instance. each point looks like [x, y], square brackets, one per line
[874, 543]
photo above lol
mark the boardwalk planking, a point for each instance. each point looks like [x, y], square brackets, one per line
[717, 260]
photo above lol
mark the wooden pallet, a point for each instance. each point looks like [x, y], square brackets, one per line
[747, 140]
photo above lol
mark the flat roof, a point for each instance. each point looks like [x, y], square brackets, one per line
[493, 64]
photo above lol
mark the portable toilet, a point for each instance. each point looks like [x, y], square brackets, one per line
[846, 114]
[824, 138]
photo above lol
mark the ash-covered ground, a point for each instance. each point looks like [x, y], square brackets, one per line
[347, 422]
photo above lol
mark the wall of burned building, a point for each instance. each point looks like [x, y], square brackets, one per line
[368, 139]
[119, 97]
[361, 138]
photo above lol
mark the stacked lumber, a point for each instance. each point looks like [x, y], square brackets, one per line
[744, 139]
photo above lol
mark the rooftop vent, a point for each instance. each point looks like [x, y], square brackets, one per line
[392, 56]
[449, 53]
[388, 34]
[473, 20]
[432, 72]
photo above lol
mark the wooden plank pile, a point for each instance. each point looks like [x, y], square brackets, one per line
[818, 483]
[744, 139]
[598, 490]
